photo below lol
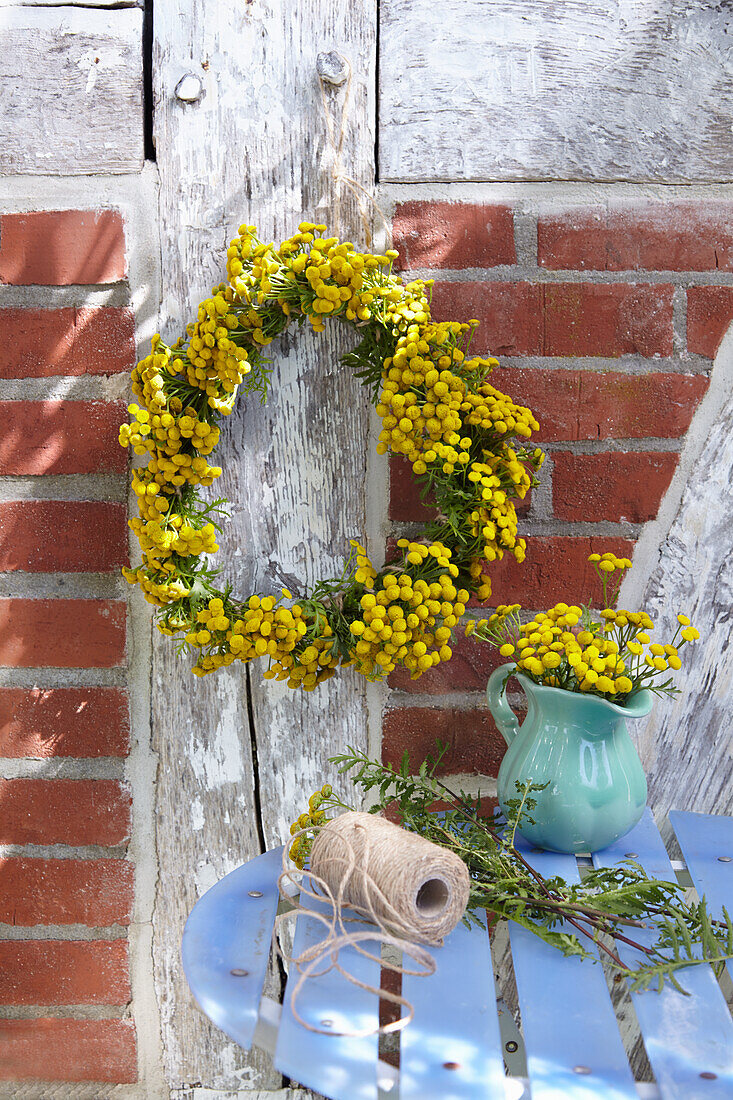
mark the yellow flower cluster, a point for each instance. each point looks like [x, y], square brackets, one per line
[566, 647]
[264, 629]
[609, 563]
[332, 276]
[445, 423]
[437, 409]
[406, 618]
[312, 818]
[160, 592]
[161, 540]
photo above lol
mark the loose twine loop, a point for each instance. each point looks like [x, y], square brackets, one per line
[413, 891]
[336, 143]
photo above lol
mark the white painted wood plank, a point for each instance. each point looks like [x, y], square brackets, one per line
[254, 149]
[66, 3]
[685, 744]
[71, 82]
[206, 827]
[573, 90]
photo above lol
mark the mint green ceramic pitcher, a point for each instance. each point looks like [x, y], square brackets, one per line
[579, 745]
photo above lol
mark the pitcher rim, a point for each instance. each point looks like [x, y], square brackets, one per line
[642, 700]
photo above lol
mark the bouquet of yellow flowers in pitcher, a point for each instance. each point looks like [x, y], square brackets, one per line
[611, 655]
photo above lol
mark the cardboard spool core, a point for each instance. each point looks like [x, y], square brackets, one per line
[432, 897]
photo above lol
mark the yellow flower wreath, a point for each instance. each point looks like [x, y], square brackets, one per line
[437, 409]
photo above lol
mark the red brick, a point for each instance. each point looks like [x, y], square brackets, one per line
[453, 235]
[561, 319]
[609, 320]
[61, 1049]
[404, 493]
[61, 437]
[681, 236]
[572, 404]
[709, 316]
[61, 247]
[64, 811]
[468, 669]
[614, 485]
[38, 343]
[78, 722]
[68, 972]
[475, 744]
[62, 633]
[96, 892]
[556, 569]
[510, 314]
[46, 536]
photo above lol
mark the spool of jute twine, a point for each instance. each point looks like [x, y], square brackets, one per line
[412, 890]
[401, 881]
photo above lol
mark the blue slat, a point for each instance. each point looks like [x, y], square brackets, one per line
[684, 1036]
[455, 1022]
[340, 1068]
[227, 930]
[707, 845]
[567, 1017]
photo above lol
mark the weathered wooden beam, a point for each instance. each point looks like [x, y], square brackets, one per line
[574, 90]
[72, 100]
[253, 147]
[686, 745]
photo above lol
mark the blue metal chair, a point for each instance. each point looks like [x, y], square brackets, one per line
[459, 1041]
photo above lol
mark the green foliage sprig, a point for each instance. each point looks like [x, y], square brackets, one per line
[608, 905]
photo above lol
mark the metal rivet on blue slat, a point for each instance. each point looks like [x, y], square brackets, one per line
[237, 972]
[255, 893]
[724, 859]
[451, 1065]
[709, 1076]
[631, 855]
[582, 1069]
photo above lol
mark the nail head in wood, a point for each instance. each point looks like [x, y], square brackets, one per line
[332, 67]
[189, 88]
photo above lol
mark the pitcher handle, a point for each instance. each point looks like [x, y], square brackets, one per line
[505, 718]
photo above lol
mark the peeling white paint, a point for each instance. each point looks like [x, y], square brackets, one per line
[216, 759]
[197, 815]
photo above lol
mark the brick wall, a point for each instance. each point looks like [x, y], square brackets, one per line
[606, 320]
[66, 886]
